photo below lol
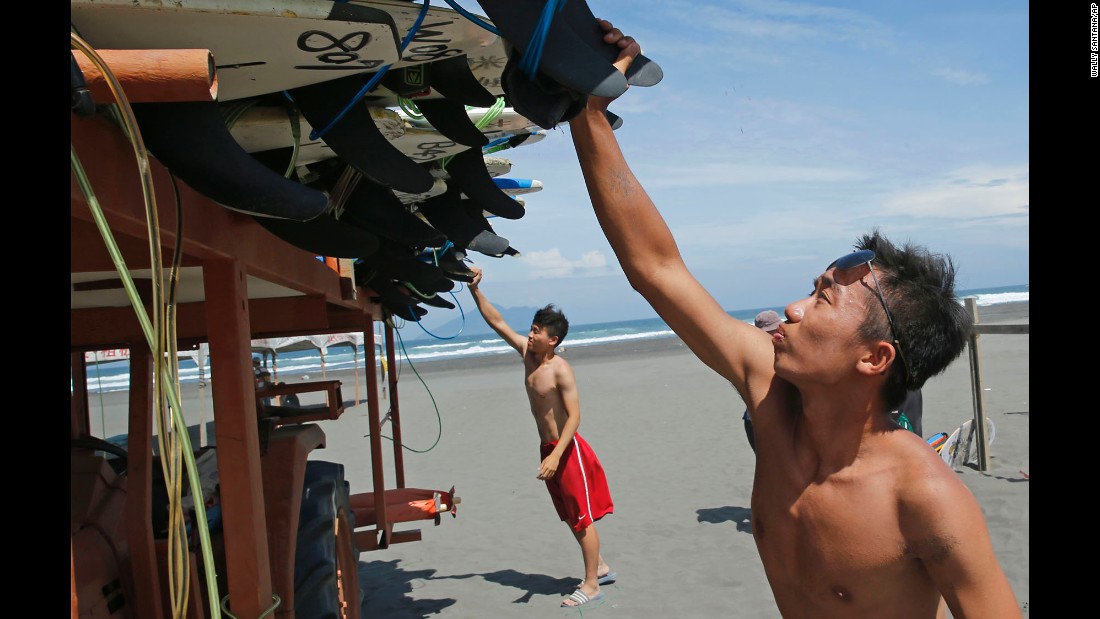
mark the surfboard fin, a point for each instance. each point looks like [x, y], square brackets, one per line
[356, 138]
[446, 213]
[452, 78]
[393, 299]
[451, 119]
[395, 262]
[540, 99]
[642, 71]
[324, 235]
[375, 208]
[191, 140]
[468, 172]
[566, 57]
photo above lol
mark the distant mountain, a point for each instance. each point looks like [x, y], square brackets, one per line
[519, 318]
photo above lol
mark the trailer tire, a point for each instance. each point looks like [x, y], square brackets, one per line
[326, 575]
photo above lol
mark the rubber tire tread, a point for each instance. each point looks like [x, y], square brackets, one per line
[324, 497]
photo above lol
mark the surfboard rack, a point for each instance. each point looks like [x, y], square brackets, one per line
[236, 283]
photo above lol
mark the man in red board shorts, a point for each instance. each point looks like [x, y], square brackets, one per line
[573, 474]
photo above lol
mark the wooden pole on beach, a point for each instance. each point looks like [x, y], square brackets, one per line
[976, 387]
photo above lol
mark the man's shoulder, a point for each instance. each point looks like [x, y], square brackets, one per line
[561, 365]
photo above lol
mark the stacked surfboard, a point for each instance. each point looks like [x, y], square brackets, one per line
[365, 129]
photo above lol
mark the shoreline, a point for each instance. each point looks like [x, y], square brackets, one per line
[1017, 311]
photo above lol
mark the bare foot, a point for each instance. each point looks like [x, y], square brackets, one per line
[604, 576]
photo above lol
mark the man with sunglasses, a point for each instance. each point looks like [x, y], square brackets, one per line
[853, 516]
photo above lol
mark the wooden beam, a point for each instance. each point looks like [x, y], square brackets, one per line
[395, 410]
[103, 327]
[151, 74]
[209, 229]
[248, 565]
[976, 389]
[78, 400]
[139, 494]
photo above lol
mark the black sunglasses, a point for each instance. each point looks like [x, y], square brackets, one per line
[867, 256]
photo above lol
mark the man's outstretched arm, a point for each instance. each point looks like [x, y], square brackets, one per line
[648, 252]
[493, 317]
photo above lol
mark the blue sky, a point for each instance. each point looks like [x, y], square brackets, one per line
[781, 132]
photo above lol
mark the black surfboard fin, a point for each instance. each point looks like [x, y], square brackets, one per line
[375, 208]
[393, 299]
[450, 119]
[468, 172]
[324, 235]
[614, 119]
[642, 71]
[446, 213]
[191, 140]
[452, 78]
[540, 99]
[565, 57]
[356, 138]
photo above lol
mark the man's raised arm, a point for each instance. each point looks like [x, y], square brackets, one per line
[647, 251]
[493, 317]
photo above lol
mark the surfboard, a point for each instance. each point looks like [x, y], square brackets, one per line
[484, 53]
[266, 127]
[495, 166]
[517, 186]
[511, 186]
[258, 48]
[961, 446]
[444, 33]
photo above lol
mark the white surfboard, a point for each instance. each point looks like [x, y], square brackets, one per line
[961, 446]
[507, 119]
[444, 33]
[258, 48]
[262, 128]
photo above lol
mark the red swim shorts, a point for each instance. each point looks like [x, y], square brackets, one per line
[579, 488]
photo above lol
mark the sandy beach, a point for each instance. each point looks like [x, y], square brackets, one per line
[669, 433]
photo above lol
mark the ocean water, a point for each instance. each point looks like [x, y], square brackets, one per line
[114, 375]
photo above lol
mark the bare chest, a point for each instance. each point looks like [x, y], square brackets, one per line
[540, 383]
[835, 549]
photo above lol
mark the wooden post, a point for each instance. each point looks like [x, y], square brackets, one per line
[248, 562]
[976, 386]
[383, 527]
[395, 409]
[79, 422]
[139, 501]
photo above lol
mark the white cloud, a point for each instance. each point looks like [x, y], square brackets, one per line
[961, 77]
[730, 173]
[550, 264]
[967, 193]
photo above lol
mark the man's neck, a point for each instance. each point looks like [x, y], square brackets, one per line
[542, 358]
[834, 425]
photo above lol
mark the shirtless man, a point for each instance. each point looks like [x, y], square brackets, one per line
[853, 516]
[573, 474]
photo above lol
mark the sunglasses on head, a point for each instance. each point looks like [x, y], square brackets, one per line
[866, 256]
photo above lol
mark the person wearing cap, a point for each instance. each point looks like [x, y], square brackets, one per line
[853, 516]
[768, 321]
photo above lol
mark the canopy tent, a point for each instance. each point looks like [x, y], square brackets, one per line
[271, 346]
